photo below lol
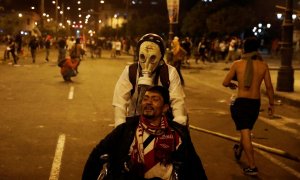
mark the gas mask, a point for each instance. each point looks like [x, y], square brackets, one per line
[149, 58]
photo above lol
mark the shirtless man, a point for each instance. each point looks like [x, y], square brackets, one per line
[249, 72]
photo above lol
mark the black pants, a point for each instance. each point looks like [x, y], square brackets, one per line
[177, 65]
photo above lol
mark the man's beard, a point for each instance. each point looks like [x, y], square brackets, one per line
[148, 114]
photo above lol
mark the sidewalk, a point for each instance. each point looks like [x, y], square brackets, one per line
[291, 98]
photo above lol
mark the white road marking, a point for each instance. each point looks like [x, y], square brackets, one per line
[279, 163]
[282, 124]
[54, 174]
[71, 92]
[258, 148]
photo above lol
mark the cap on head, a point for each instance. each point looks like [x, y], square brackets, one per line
[152, 38]
[163, 91]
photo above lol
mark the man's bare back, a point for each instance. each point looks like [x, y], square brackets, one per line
[260, 72]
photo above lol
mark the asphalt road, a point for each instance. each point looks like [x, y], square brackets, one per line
[48, 127]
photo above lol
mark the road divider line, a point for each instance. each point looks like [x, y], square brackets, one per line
[256, 145]
[54, 174]
[282, 124]
[279, 163]
[71, 92]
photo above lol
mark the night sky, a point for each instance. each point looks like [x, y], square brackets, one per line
[49, 7]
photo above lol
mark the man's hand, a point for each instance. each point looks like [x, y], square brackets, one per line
[232, 85]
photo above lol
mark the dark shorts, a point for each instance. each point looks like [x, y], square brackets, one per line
[244, 112]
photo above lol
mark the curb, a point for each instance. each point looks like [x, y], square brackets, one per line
[276, 151]
[285, 100]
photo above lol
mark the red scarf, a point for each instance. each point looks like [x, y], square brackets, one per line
[166, 141]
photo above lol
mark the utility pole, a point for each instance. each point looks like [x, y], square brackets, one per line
[42, 13]
[56, 17]
[285, 78]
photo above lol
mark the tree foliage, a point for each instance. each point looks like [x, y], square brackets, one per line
[219, 17]
[149, 24]
[230, 20]
[195, 21]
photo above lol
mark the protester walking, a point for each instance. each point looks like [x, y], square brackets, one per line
[178, 57]
[187, 46]
[249, 72]
[203, 50]
[33, 45]
[231, 55]
[10, 49]
[47, 46]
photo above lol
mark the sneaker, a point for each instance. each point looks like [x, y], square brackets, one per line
[251, 171]
[237, 151]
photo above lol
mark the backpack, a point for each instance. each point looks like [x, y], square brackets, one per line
[161, 72]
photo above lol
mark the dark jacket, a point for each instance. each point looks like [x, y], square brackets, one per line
[117, 145]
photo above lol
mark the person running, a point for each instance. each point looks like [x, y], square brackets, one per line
[249, 71]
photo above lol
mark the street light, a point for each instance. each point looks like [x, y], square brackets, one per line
[285, 78]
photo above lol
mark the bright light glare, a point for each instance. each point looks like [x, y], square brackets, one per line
[279, 15]
[260, 25]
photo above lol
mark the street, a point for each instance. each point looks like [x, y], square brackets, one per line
[49, 127]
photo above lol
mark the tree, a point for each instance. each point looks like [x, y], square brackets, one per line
[149, 24]
[221, 17]
[195, 21]
[231, 20]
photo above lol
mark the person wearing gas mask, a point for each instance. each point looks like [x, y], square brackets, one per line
[147, 146]
[149, 70]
